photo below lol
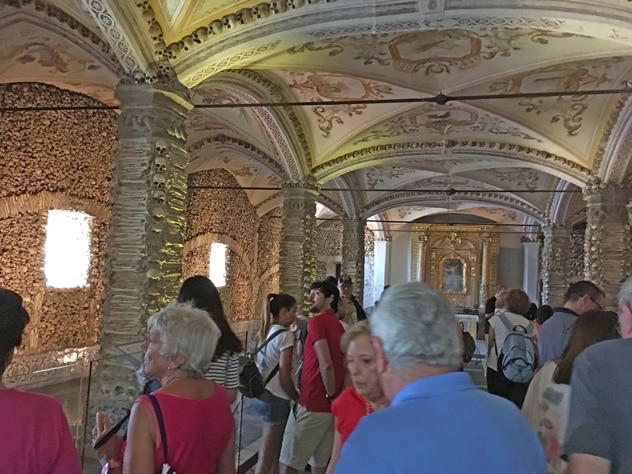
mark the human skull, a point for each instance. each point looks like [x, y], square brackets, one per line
[161, 164]
[159, 197]
[200, 35]
[216, 27]
[156, 32]
[159, 212]
[161, 146]
[159, 180]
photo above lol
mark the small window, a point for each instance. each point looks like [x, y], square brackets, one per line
[217, 264]
[67, 251]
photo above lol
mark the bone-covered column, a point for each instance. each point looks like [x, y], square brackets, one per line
[353, 253]
[607, 252]
[297, 255]
[143, 263]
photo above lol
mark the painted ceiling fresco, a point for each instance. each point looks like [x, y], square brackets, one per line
[399, 109]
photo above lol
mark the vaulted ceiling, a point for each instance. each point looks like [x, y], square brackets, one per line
[395, 109]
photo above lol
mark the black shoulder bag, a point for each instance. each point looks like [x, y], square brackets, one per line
[166, 468]
[251, 384]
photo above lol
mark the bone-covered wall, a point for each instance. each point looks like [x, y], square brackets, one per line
[228, 217]
[52, 159]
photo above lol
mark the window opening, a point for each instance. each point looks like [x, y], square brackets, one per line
[67, 249]
[217, 264]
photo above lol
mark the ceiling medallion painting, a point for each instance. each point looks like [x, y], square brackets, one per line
[43, 52]
[435, 51]
[444, 119]
[567, 111]
[336, 87]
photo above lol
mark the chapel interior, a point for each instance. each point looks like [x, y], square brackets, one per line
[466, 143]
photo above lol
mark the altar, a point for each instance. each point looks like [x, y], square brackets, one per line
[459, 261]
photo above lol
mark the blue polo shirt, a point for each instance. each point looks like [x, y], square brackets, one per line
[554, 334]
[444, 424]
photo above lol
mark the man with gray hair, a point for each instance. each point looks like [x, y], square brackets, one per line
[599, 434]
[438, 421]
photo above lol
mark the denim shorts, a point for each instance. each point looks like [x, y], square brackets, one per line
[272, 409]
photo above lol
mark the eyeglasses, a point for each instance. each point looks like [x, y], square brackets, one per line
[596, 302]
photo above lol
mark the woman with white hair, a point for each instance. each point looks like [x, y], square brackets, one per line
[198, 423]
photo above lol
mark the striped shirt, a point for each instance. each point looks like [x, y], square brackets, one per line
[224, 370]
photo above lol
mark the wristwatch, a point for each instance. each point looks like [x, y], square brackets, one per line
[111, 464]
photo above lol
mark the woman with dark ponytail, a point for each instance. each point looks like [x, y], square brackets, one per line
[278, 314]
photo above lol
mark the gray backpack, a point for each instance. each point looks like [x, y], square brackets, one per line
[517, 358]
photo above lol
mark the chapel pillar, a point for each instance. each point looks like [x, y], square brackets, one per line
[555, 264]
[419, 251]
[143, 254]
[607, 252]
[530, 275]
[297, 254]
[486, 286]
[353, 254]
[381, 273]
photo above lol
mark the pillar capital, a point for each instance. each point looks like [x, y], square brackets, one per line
[308, 184]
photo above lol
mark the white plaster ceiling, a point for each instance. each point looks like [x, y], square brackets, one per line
[491, 157]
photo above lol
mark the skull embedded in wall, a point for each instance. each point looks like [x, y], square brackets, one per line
[200, 35]
[160, 162]
[216, 27]
[159, 180]
[159, 197]
[161, 146]
[159, 212]
[156, 32]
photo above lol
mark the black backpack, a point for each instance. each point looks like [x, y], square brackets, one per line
[251, 384]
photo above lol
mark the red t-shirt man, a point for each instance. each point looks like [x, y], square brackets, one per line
[324, 326]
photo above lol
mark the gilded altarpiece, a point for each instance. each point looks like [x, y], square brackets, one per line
[459, 261]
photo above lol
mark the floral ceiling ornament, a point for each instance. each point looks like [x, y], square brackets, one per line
[511, 215]
[502, 41]
[246, 171]
[381, 175]
[573, 77]
[498, 126]
[407, 211]
[566, 110]
[448, 118]
[517, 177]
[426, 117]
[319, 87]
